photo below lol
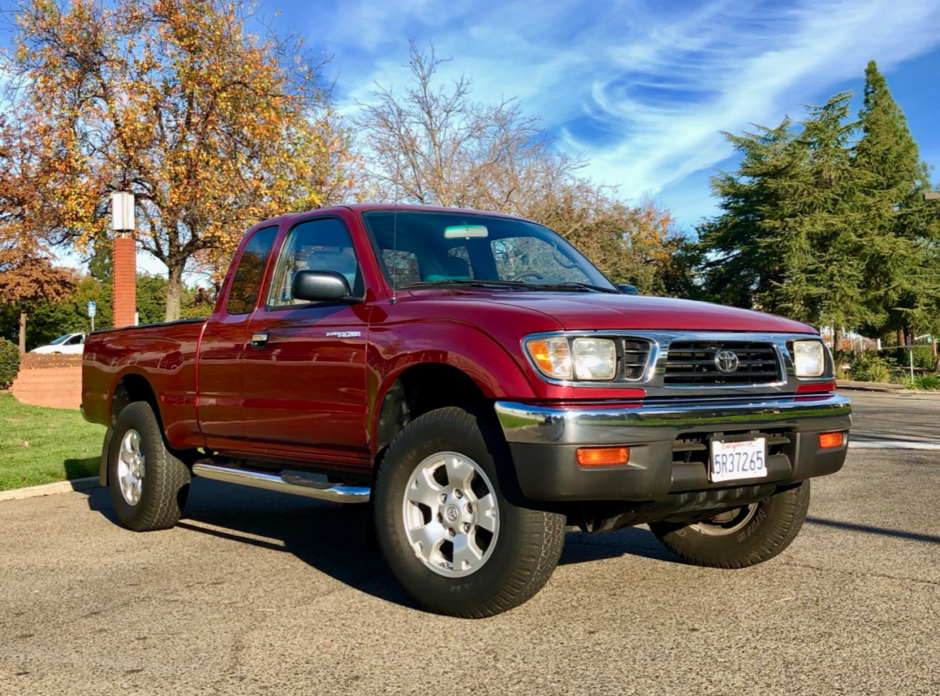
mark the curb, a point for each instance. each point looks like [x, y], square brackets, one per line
[81, 484]
[869, 386]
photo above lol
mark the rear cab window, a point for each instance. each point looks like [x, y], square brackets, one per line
[246, 283]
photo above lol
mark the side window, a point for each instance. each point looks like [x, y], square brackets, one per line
[247, 280]
[315, 245]
[75, 341]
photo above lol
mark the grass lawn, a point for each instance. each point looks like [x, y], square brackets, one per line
[61, 444]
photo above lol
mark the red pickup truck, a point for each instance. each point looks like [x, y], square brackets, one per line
[478, 382]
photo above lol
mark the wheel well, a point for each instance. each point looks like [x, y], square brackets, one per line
[129, 389]
[421, 389]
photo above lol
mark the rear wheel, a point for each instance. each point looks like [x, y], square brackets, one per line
[149, 484]
[446, 527]
[740, 537]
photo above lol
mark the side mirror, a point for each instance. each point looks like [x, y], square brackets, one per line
[628, 289]
[322, 286]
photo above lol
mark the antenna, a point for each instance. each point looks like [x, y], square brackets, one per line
[394, 251]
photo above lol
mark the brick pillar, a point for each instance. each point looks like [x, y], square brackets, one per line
[125, 281]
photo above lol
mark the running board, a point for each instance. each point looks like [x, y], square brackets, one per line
[294, 482]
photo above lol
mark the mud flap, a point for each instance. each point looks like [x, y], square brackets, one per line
[105, 455]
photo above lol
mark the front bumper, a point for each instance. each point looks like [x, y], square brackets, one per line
[544, 439]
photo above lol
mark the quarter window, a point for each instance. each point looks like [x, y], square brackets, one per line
[247, 281]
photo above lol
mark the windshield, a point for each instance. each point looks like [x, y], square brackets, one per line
[418, 247]
[60, 339]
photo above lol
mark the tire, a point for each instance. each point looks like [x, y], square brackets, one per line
[163, 480]
[743, 537]
[519, 550]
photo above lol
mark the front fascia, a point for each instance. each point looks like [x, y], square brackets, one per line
[653, 383]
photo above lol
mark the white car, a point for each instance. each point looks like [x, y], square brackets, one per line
[73, 343]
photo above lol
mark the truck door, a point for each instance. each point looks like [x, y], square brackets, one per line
[304, 372]
[223, 342]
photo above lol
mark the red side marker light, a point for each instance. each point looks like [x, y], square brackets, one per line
[815, 388]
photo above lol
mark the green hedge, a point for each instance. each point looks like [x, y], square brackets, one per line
[923, 356]
[9, 363]
[871, 367]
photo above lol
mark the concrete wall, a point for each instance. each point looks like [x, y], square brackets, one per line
[49, 380]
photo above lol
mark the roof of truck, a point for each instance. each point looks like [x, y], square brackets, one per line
[366, 207]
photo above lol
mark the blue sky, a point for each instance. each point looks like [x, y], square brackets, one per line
[639, 87]
[642, 87]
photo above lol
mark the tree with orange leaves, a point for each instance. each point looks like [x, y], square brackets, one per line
[27, 274]
[211, 127]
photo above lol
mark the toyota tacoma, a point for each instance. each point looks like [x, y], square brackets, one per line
[478, 383]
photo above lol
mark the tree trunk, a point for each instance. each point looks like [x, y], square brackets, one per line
[174, 292]
[836, 340]
[901, 341]
[22, 332]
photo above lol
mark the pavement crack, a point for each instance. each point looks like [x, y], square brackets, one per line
[867, 574]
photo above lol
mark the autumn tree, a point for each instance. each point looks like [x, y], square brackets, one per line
[432, 144]
[210, 126]
[27, 273]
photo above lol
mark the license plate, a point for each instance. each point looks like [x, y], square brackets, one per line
[733, 461]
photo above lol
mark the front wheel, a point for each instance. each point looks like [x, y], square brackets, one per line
[741, 537]
[447, 529]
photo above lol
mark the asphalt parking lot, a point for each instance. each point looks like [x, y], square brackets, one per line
[267, 593]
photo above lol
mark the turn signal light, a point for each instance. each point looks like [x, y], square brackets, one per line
[603, 456]
[830, 440]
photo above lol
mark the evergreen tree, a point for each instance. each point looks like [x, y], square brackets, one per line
[822, 243]
[787, 241]
[901, 265]
[741, 267]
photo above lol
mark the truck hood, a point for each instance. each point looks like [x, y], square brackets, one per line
[595, 311]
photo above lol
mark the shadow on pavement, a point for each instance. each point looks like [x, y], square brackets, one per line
[335, 539]
[881, 531]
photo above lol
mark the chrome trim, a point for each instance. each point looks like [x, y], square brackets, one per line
[613, 335]
[296, 483]
[653, 381]
[656, 422]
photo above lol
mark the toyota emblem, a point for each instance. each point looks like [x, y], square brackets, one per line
[726, 361]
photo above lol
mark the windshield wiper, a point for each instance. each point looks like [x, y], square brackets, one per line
[575, 285]
[469, 283]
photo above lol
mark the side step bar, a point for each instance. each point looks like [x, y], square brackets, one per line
[295, 482]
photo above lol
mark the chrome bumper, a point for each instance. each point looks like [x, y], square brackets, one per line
[661, 421]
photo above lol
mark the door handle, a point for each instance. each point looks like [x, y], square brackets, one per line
[259, 340]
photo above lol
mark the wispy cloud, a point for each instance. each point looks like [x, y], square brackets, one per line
[640, 87]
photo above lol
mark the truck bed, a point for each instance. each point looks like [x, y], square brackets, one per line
[165, 354]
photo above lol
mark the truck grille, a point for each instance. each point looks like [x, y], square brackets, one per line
[693, 363]
[636, 355]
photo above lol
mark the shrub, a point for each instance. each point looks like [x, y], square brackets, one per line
[931, 382]
[9, 363]
[923, 356]
[871, 367]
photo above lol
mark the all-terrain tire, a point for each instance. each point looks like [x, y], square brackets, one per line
[771, 529]
[526, 547]
[165, 481]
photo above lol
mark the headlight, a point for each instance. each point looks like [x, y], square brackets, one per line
[809, 358]
[584, 359]
[595, 359]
